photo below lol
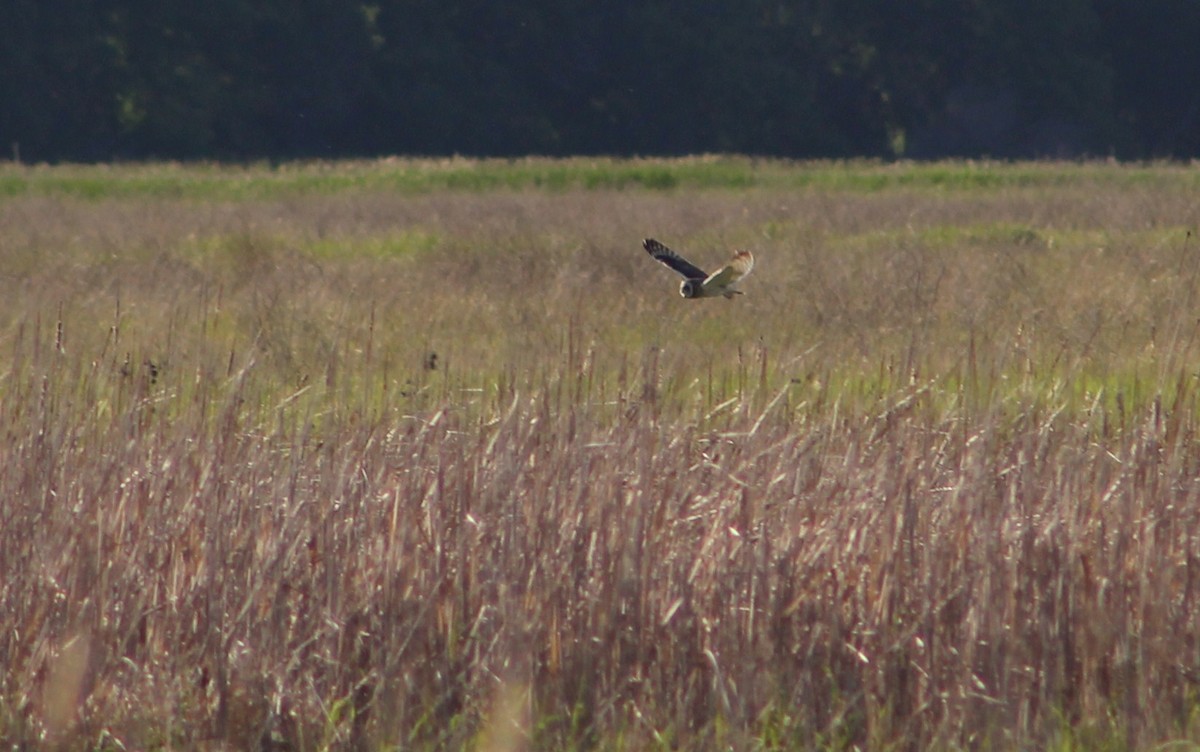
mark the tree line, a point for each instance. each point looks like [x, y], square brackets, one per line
[95, 80]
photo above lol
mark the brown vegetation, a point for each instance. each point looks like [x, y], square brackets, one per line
[462, 469]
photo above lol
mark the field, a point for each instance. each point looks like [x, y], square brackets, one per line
[431, 455]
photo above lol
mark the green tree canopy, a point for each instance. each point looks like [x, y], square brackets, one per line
[102, 79]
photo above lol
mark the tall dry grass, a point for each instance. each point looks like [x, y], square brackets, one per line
[932, 483]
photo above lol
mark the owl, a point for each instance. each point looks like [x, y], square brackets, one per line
[697, 283]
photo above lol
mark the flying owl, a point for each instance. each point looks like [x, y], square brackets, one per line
[698, 283]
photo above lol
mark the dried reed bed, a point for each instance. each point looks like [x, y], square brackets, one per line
[933, 484]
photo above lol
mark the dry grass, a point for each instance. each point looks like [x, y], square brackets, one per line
[932, 483]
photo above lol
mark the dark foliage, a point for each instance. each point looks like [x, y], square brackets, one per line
[230, 79]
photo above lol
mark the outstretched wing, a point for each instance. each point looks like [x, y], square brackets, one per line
[738, 267]
[672, 259]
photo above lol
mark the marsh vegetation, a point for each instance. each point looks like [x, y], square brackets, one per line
[392, 455]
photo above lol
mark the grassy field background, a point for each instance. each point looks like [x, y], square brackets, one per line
[430, 454]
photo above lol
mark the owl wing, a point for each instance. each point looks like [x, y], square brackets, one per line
[670, 258]
[738, 267]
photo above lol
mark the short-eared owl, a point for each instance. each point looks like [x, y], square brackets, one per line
[698, 283]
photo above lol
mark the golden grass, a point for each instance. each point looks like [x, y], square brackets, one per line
[931, 483]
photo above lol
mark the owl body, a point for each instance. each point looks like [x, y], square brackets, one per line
[697, 283]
